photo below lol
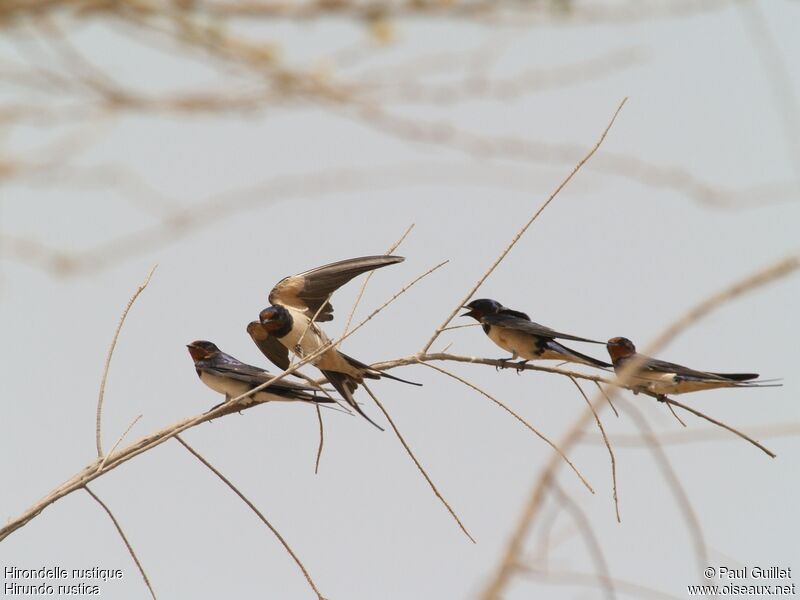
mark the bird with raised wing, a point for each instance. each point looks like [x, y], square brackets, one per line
[514, 331]
[298, 302]
[660, 378]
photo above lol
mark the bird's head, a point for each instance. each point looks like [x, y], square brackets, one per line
[620, 347]
[202, 350]
[481, 307]
[274, 318]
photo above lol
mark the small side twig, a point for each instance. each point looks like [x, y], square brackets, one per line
[608, 445]
[321, 440]
[119, 441]
[124, 539]
[522, 231]
[389, 250]
[98, 424]
[608, 398]
[541, 436]
[252, 506]
[674, 414]
[733, 430]
[417, 463]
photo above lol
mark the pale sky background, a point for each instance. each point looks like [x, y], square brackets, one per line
[610, 256]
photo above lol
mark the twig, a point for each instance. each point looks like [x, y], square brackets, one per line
[451, 327]
[541, 436]
[676, 438]
[674, 414]
[417, 463]
[98, 425]
[389, 250]
[119, 441]
[592, 543]
[492, 362]
[610, 403]
[522, 231]
[321, 440]
[608, 445]
[733, 430]
[124, 539]
[252, 506]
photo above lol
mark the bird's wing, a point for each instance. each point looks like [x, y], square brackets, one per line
[662, 366]
[309, 291]
[269, 345]
[511, 321]
[514, 313]
[227, 366]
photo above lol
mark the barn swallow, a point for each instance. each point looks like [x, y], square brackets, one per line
[297, 302]
[514, 331]
[659, 378]
[231, 377]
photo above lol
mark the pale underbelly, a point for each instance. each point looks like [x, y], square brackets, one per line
[666, 384]
[232, 388]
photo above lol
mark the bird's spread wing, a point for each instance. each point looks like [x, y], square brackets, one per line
[309, 291]
[269, 345]
[510, 321]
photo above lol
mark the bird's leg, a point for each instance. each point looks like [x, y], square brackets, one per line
[661, 397]
[504, 362]
[216, 406]
[520, 366]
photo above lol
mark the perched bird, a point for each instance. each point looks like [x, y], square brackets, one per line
[514, 331]
[659, 378]
[226, 375]
[289, 324]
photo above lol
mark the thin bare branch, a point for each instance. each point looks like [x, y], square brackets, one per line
[541, 436]
[733, 430]
[98, 425]
[258, 513]
[389, 250]
[610, 403]
[119, 441]
[608, 445]
[321, 440]
[492, 362]
[522, 231]
[677, 438]
[674, 414]
[124, 539]
[417, 463]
